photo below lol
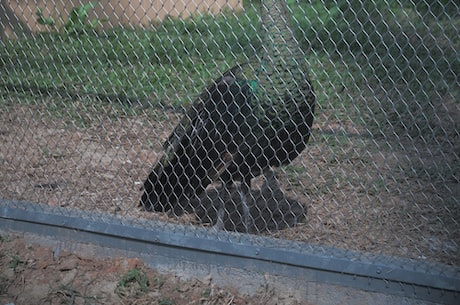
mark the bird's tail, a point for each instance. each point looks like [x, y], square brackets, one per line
[171, 186]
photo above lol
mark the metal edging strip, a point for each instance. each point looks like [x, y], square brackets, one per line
[400, 277]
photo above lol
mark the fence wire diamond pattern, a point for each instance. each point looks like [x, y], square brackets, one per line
[90, 93]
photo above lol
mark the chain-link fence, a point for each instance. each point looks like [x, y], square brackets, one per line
[90, 92]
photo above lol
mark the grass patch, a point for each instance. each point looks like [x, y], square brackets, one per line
[166, 301]
[67, 294]
[167, 65]
[4, 284]
[134, 279]
[16, 262]
[398, 60]
[410, 57]
[401, 61]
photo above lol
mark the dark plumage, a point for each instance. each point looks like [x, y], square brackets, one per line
[254, 117]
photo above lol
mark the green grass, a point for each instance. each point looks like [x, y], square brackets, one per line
[67, 294]
[175, 59]
[16, 261]
[410, 55]
[166, 301]
[136, 276]
[398, 59]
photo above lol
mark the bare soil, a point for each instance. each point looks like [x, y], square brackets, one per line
[31, 275]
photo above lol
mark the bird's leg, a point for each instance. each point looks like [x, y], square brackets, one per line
[271, 181]
[220, 215]
[225, 187]
[244, 191]
[221, 211]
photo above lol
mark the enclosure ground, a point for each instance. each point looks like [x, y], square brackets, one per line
[32, 274]
[84, 115]
[358, 192]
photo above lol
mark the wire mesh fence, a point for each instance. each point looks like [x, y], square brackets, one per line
[90, 92]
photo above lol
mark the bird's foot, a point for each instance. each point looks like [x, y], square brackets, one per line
[271, 181]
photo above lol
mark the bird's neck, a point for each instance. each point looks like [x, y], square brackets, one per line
[281, 58]
[275, 22]
[281, 53]
[281, 70]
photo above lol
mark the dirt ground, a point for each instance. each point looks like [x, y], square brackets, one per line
[32, 275]
[393, 196]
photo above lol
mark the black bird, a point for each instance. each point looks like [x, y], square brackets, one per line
[254, 117]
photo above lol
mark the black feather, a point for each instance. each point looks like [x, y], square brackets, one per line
[240, 126]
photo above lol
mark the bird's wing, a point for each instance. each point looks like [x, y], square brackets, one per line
[197, 116]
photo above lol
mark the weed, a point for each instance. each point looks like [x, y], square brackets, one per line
[50, 154]
[77, 22]
[166, 301]
[4, 284]
[206, 293]
[16, 261]
[135, 276]
[47, 21]
[66, 294]
[158, 282]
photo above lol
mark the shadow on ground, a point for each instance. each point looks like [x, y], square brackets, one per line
[270, 209]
